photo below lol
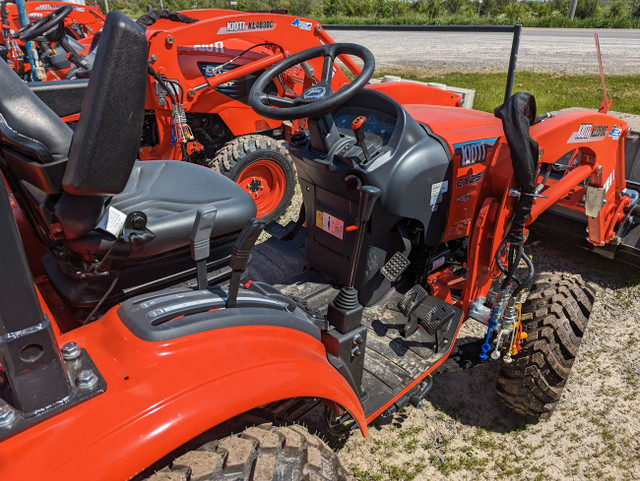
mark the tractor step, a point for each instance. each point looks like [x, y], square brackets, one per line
[395, 266]
[285, 232]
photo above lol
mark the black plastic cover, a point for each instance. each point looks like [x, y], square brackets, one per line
[518, 114]
[64, 97]
[108, 134]
[171, 314]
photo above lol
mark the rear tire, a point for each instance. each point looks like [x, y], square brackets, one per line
[259, 453]
[554, 316]
[263, 168]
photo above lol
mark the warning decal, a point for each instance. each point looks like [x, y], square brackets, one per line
[330, 223]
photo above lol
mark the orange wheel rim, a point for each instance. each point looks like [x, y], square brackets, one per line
[265, 182]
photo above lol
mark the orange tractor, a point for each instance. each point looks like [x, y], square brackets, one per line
[196, 103]
[72, 23]
[115, 365]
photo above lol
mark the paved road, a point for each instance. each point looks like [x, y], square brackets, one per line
[541, 50]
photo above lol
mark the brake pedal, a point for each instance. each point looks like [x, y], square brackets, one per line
[412, 299]
[395, 266]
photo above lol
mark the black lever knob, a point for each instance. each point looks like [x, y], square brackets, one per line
[368, 197]
[240, 255]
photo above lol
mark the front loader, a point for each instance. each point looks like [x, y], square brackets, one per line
[416, 220]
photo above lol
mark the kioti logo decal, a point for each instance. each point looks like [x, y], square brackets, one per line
[242, 26]
[473, 152]
[314, 93]
[589, 133]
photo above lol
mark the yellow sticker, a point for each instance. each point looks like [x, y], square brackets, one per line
[319, 219]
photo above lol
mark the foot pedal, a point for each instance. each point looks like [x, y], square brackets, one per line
[285, 232]
[395, 266]
[433, 317]
[412, 299]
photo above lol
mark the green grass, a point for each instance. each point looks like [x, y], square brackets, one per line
[552, 91]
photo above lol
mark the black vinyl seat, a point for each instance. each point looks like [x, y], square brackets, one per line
[67, 182]
[170, 194]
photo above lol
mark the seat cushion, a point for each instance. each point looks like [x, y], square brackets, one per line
[170, 194]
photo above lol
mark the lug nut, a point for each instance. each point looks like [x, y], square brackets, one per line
[70, 351]
[86, 379]
[7, 415]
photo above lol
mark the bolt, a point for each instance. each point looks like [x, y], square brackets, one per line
[153, 58]
[170, 40]
[191, 93]
[7, 415]
[70, 351]
[86, 379]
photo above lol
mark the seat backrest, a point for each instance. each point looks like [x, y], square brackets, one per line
[108, 135]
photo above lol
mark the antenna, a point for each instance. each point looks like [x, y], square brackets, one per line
[606, 103]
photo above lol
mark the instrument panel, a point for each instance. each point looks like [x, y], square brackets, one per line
[378, 123]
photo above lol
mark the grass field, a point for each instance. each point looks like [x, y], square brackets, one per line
[552, 91]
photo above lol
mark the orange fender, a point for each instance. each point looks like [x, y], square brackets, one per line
[162, 394]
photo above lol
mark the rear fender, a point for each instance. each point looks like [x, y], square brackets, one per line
[162, 394]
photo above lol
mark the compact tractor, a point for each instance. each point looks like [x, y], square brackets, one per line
[135, 337]
[202, 64]
[73, 22]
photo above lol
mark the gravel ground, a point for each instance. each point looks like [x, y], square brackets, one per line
[464, 432]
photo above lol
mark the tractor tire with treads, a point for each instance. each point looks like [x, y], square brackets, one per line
[554, 316]
[259, 453]
[263, 168]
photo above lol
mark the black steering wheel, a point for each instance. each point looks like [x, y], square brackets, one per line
[37, 28]
[318, 100]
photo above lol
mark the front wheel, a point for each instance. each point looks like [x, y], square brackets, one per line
[259, 453]
[263, 168]
[554, 316]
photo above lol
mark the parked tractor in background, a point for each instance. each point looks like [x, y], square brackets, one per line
[202, 64]
[75, 22]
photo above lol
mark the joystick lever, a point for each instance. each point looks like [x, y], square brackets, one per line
[358, 126]
[240, 255]
[201, 242]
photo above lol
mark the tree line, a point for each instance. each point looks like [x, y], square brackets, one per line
[551, 13]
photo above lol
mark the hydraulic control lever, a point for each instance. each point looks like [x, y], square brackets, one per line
[358, 126]
[368, 197]
[240, 255]
[201, 242]
[345, 311]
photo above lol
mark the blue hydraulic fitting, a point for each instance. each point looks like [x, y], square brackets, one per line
[496, 313]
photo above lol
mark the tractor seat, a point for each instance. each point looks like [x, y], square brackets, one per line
[67, 181]
[169, 193]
